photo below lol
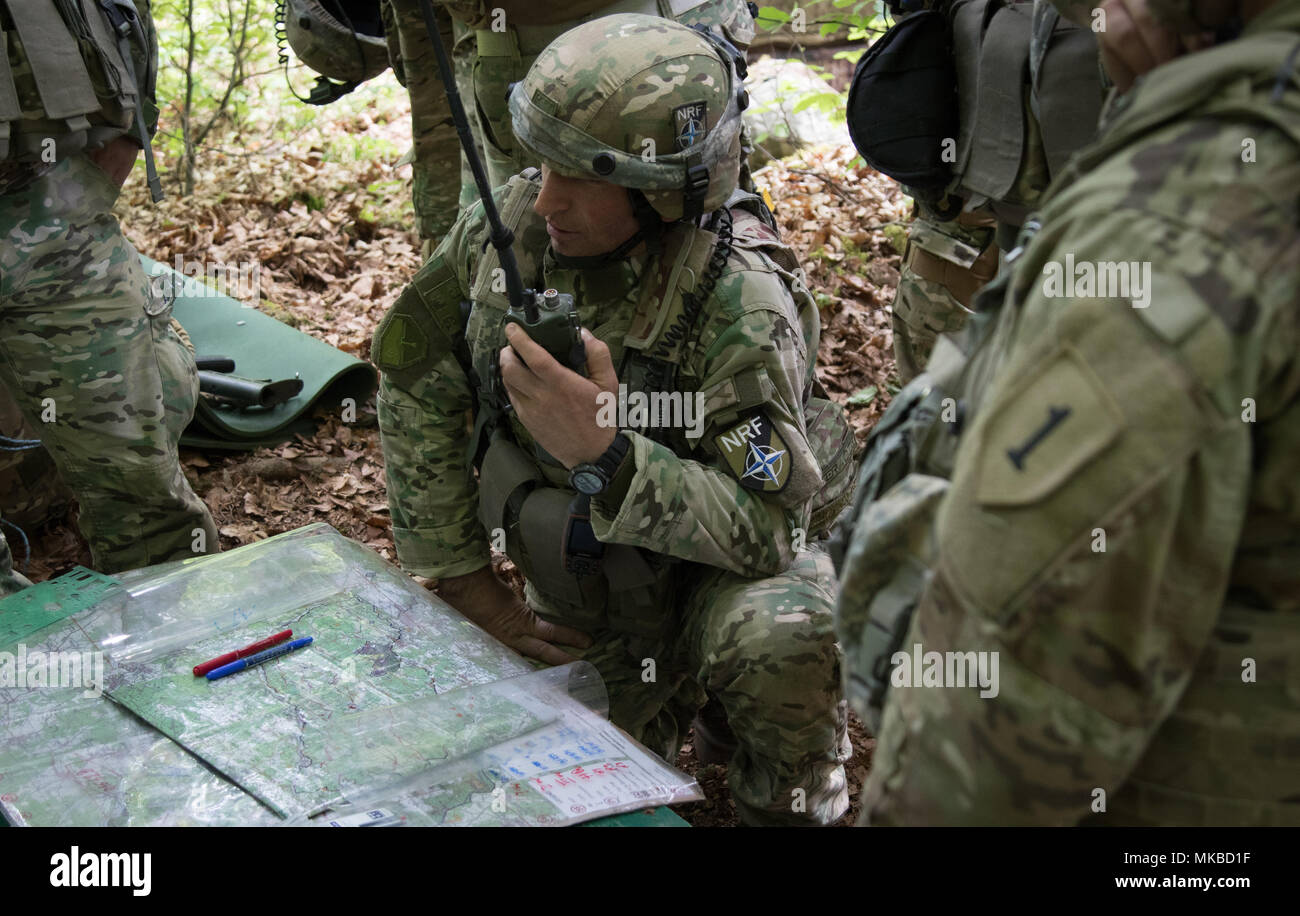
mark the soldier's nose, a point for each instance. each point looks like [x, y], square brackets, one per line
[555, 196]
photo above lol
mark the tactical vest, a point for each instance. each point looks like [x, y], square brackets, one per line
[529, 498]
[74, 75]
[1029, 94]
[887, 552]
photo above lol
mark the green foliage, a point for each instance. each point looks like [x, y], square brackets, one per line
[897, 236]
[207, 52]
[860, 19]
[223, 96]
[313, 201]
[864, 397]
[829, 102]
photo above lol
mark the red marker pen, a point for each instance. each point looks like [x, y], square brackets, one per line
[261, 644]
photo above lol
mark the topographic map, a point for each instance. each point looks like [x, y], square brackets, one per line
[400, 710]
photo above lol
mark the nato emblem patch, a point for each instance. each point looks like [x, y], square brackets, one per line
[688, 122]
[756, 454]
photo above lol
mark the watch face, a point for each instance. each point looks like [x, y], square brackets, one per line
[587, 482]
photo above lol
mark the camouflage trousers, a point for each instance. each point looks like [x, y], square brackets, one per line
[945, 264]
[89, 355]
[441, 182]
[766, 649]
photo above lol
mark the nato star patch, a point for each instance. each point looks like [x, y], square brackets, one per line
[689, 121]
[756, 454]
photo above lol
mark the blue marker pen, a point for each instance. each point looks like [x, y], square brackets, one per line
[257, 659]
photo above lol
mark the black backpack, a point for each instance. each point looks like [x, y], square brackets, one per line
[903, 102]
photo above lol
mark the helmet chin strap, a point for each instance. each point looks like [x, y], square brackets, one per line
[650, 229]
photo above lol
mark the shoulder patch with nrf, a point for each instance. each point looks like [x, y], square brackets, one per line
[756, 453]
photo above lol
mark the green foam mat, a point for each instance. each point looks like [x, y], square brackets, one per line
[262, 348]
[652, 817]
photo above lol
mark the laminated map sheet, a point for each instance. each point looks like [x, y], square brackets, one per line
[397, 695]
[576, 767]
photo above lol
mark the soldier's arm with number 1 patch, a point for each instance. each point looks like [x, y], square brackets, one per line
[1084, 549]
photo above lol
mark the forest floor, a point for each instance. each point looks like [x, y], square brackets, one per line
[332, 233]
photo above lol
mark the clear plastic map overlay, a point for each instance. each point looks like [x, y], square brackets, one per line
[399, 706]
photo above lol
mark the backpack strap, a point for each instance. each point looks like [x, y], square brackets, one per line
[125, 22]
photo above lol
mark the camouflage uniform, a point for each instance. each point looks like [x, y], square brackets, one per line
[507, 45]
[731, 605]
[945, 263]
[88, 353]
[441, 182]
[948, 260]
[1123, 516]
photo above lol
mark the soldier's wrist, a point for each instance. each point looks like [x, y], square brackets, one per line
[612, 498]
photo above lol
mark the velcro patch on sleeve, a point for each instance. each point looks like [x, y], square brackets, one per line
[1050, 424]
[755, 453]
[400, 343]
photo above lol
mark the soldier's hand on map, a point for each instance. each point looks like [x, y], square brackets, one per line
[116, 158]
[491, 604]
[1134, 43]
[557, 405]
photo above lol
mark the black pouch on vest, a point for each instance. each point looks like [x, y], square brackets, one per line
[903, 102]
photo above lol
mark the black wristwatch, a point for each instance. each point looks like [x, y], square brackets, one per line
[593, 478]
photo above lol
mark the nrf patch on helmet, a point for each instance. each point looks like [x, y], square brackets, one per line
[756, 454]
[689, 121]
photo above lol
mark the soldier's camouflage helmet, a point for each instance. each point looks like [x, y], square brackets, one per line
[340, 39]
[642, 102]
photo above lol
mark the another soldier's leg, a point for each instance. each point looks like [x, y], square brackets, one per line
[87, 350]
[463, 61]
[766, 649]
[946, 263]
[435, 184]
[503, 58]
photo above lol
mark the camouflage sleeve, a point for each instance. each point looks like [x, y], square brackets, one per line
[741, 510]
[1087, 541]
[424, 400]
